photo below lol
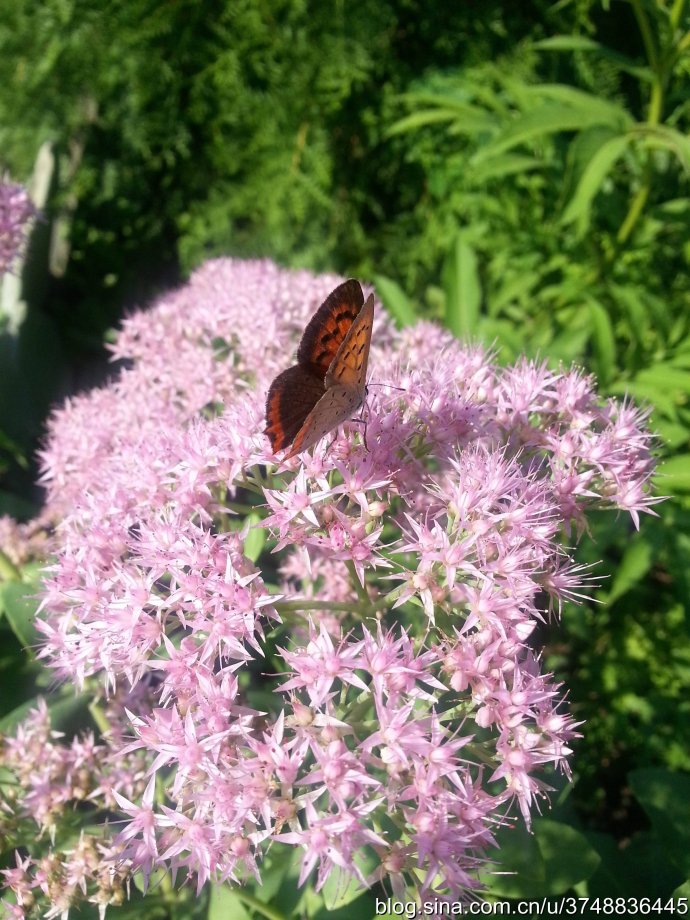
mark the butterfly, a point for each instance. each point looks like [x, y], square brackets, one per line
[328, 383]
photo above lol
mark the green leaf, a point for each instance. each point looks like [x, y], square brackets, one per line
[683, 891]
[519, 862]
[255, 540]
[19, 601]
[224, 902]
[599, 166]
[603, 340]
[673, 434]
[500, 167]
[505, 334]
[582, 43]
[15, 506]
[420, 119]
[278, 874]
[662, 402]
[549, 862]
[665, 377]
[674, 474]
[65, 712]
[567, 854]
[550, 110]
[661, 136]
[636, 313]
[661, 792]
[462, 288]
[636, 562]
[395, 300]
[470, 118]
[602, 109]
[337, 895]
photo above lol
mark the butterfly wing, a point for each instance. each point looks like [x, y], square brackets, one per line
[329, 326]
[327, 384]
[349, 367]
[344, 382]
[335, 407]
[291, 398]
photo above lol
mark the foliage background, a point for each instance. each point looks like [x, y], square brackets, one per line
[518, 171]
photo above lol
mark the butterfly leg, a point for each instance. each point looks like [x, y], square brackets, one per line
[362, 421]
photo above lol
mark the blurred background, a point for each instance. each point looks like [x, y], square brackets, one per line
[518, 172]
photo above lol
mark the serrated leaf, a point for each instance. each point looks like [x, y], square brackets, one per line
[462, 288]
[599, 166]
[395, 300]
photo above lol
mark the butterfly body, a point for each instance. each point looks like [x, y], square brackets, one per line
[328, 383]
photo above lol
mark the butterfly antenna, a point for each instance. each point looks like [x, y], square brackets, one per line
[389, 385]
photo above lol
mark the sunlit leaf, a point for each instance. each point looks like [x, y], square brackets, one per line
[591, 180]
[603, 340]
[583, 43]
[668, 138]
[634, 565]
[462, 287]
[395, 300]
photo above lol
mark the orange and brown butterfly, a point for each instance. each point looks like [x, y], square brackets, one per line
[328, 383]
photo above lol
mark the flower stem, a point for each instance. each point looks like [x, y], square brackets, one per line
[654, 114]
[259, 907]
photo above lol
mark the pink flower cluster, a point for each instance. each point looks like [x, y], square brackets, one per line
[45, 781]
[16, 209]
[380, 597]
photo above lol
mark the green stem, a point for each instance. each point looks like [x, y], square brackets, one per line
[646, 32]
[654, 115]
[260, 907]
[636, 208]
[363, 608]
[358, 586]
[345, 606]
[241, 508]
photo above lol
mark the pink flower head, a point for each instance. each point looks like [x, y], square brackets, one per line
[16, 210]
[332, 651]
